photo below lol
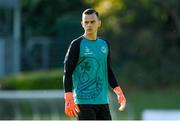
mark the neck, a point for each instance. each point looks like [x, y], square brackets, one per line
[90, 36]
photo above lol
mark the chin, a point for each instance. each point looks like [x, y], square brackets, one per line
[90, 32]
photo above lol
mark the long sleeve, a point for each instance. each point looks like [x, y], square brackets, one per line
[70, 62]
[111, 78]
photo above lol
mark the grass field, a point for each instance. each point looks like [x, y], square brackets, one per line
[139, 100]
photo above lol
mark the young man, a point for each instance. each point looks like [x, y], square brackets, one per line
[87, 73]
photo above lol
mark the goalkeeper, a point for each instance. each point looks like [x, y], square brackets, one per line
[87, 74]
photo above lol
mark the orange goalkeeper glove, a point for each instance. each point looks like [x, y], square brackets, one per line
[71, 109]
[121, 98]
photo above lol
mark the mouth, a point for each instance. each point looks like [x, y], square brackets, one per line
[89, 29]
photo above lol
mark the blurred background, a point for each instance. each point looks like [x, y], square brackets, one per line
[145, 43]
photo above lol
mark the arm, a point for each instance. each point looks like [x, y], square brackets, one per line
[70, 62]
[114, 85]
[111, 78]
[71, 59]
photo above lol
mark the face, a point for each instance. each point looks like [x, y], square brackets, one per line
[90, 23]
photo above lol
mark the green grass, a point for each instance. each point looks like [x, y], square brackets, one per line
[139, 100]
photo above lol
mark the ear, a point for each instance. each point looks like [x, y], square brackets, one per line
[82, 23]
[99, 22]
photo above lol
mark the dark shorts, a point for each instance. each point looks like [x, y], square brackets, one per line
[94, 112]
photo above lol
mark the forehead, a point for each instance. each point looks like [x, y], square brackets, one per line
[89, 17]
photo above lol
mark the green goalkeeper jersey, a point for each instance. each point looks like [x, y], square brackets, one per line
[90, 78]
[88, 72]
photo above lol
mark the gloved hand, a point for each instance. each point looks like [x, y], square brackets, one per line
[121, 98]
[71, 109]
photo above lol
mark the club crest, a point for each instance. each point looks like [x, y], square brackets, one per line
[103, 49]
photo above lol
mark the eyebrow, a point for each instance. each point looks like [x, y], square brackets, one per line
[90, 21]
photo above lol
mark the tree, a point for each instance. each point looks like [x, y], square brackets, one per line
[144, 37]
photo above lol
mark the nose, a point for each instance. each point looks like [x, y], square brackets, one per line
[89, 24]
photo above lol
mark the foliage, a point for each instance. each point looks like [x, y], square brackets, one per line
[41, 15]
[52, 79]
[147, 33]
[55, 19]
[144, 34]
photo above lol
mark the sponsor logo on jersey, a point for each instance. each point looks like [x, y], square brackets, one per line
[87, 51]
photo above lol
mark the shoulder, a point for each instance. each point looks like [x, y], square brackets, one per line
[74, 45]
[76, 41]
[105, 40]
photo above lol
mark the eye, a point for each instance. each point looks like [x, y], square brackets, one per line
[92, 22]
[86, 22]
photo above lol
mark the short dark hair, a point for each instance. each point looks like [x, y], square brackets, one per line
[91, 11]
